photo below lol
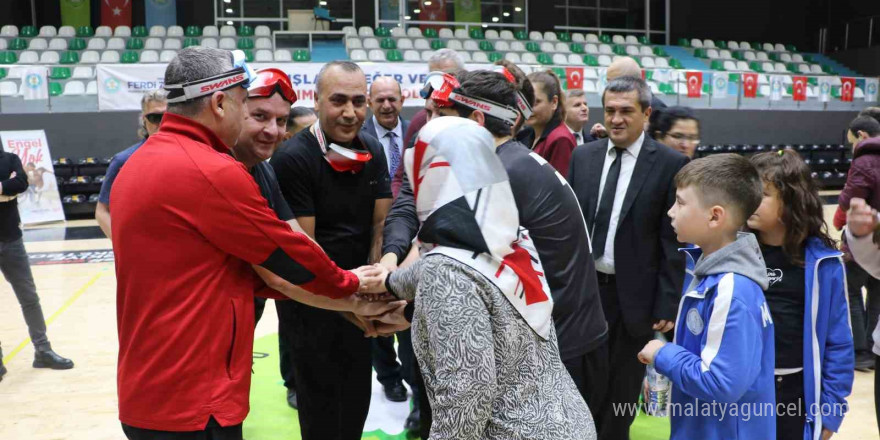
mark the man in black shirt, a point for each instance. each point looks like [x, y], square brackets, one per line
[549, 210]
[338, 187]
[17, 269]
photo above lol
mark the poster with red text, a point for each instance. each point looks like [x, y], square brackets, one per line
[40, 202]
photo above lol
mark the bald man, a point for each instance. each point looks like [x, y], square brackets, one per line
[625, 66]
[386, 101]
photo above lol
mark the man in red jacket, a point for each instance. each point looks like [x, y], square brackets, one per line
[189, 223]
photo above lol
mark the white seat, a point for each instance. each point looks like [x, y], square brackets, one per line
[797, 58]
[350, 31]
[592, 38]
[461, 34]
[648, 62]
[646, 51]
[632, 51]
[445, 33]
[780, 47]
[631, 39]
[263, 56]
[605, 49]
[513, 57]
[835, 81]
[149, 56]
[732, 45]
[811, 92]
[358, 55]
[49, 57]
[92, 88]
[471, 45]
[89, 57]
[209, 42]
[66, 32]
[858, 93]
[762, 79]
[226, 43]
[562, 47]
[529, 58]
[762, 56]
[376, 55]
[590, 87]
[768, 67]
[83, 72]
[590, 72]
[48, 31]
[604, 60]
[506, 35]
[767, 47]
[122, 32]
[517, 46]
[491, 34]
[411, 55]
[750, 56]
[365, 31]
[536, 36]
[262, 31]
[817, 69]
[283, 56]
[654, 87]
[742, 65]
[709, 44]
[9, 30]
[404, 44]
[427, 54]
[353, 43]
[744, 45]
[618, 39]
[547, 47]
[210, 31]
[729, 65]
[697, 43]
[229, 31]
[578, 37]
[262, 43]
[414, 32]
[480, 57]
[28, 57]
[97, 44]
[502, 46]
[764, 90]
[370, 43]
[109, 57]
[168, 55]
[158, 31]
[804, 68]
[591, 48]
[38, 44]
[454, 45]
[661, 63]
[74, 88]
[421, 44]
[779, 67]
[174, 44]
[103, 32]
[54, 44]
[398, 32]
[550, 36]
[465, 56]
[560, 59]
[785, 58]
[725, 54]
[8, 88]
[155, 43]
[575, 60]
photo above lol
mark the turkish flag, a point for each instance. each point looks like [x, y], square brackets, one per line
[847, 86]
[116, 13]
[799, 88]
[695, 84]
[432, 11]
[750, 85]
[574, 76]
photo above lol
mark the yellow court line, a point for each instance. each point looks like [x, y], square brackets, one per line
[64, 307]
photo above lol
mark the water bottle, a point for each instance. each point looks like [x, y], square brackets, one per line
[658, 393]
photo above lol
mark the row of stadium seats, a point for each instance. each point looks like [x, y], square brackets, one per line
[137, 31]
[394, 55]
[133, 43]
[749, 55]
[70, 88]
[79, 183]
[491, 34]
[696, 43]
[768, 67]
[405, 43]
[829, 163]
[51, 57]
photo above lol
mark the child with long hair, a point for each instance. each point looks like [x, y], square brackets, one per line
[807, 299]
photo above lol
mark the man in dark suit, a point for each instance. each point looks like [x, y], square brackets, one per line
[625, 186]
[577, 113]
[625, 66]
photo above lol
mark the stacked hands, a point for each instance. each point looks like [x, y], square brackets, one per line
[374, 310]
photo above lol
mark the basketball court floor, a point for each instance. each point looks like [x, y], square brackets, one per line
[74, 273]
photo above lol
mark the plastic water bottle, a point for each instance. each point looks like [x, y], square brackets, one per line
[658, 393]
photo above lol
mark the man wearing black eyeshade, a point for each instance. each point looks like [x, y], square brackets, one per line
[153, 105]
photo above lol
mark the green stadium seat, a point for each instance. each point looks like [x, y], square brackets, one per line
[591, 60]
[437, 44]
[773, 56]
[532, 46]
[193, 31]
[792, 67]
[189, 42]
[245, 43]
[521, 35]
[430, 33]
[55, 89]
[813, 81]
[649, 74]
[388, 43]
[139, 31]
[808, 58]
[130, 57]
[790, 48]
[564, 37]
[717, 65]
[302, 55]
[666, 88]
[756, 45]
[644, 40]
[700, 53]
[619, 50]
[134, 44]
[707, 87]
[660, 52]
[675, 64]
[721, 44]
[756, 66]
[835, 92]
[476, 34]
[544, 58]
[684, 42]
[8, 58]
[382, 32]
[70, 58]
[18, 44]
[249, 55]
[2, 72]
[828, 69]
[486, 46]
[577, 48]
[605, 38]
[245, 31]
[85, 32]
[394, 56]
[28, 32]
[59, 73]
[739, 56]
[76, 44]
[495, 57]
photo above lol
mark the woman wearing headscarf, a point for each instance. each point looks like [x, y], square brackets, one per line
[482, 329]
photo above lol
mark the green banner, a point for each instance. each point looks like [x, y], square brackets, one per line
[468, 11]
[76, 13]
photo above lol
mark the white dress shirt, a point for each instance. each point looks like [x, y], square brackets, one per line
[381, 133]
[605, 264]
[578, 135]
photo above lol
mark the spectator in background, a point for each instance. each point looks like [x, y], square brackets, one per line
[153, 105]
[577, 114]
[300, 119]
[546, 133]
[625, 66]
[873, 112]
[676, 127]
[862, 182]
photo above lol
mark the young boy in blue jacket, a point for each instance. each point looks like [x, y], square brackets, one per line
[721, 362]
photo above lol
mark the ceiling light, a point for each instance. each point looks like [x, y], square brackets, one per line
[517, 9]
[494, 19]
[229, 23]
[322, 3]
[229, 10]
[417, 11]
[506, 14]
[406, 17]
[428, 3]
